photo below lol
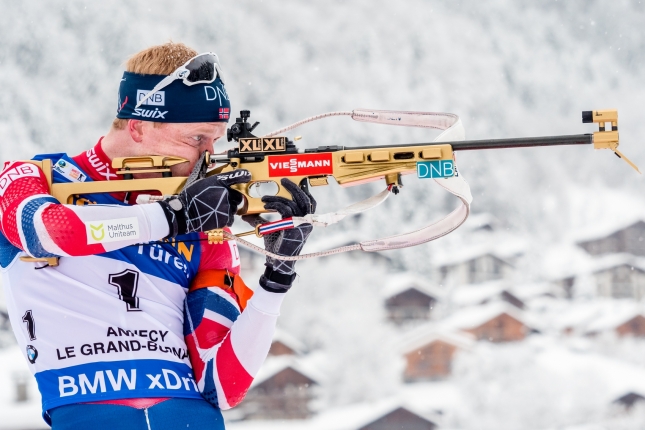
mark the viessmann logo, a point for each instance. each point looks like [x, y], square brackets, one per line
[301, 164]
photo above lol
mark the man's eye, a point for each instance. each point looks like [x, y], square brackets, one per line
[198, 138]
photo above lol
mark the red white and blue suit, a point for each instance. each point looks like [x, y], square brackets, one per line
[131, 320]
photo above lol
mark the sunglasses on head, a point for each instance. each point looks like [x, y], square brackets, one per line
[201, 69]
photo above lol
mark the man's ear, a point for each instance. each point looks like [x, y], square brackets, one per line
[135, 127]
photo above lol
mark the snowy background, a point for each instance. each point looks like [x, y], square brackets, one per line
[509, 69]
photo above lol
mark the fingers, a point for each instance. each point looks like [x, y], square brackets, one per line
[285, 207]
[234, 200]
[312, 201]
[300, 198]
[253, 220]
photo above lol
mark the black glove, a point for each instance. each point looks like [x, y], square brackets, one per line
[279, 274]
[206, 204]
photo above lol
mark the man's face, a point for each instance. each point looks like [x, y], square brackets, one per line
[186, 140]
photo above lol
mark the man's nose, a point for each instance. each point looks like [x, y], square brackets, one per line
[207, 147]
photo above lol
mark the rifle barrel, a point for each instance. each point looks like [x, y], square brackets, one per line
[466, 145]
[522, 142]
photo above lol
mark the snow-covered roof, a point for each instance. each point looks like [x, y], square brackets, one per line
[378, 413]
[602, 230]
[563, 260]
[501, 249]
[288, 340]
[423, 399]
[531, 290]
[467, 295]
[614, 317]
[475, 316]
[618, 377]
[610, 261]
[429, 333]
[276, 364]
[577, 315]
[403, 281]
[566, 261]
[597, 315]
[481, 220]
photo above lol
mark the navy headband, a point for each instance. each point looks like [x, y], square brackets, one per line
[175, 103]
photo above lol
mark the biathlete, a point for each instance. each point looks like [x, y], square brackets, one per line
[143, 324]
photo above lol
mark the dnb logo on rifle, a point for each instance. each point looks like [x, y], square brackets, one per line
[436, 169]
[300, 165]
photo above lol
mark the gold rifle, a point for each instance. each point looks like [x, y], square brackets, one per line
[269, 159]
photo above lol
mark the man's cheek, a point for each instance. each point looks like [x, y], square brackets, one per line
[183, 169]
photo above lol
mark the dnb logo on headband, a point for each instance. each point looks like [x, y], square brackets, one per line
[176, 103]
[157, 99]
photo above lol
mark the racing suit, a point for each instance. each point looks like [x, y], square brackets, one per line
[108, 326]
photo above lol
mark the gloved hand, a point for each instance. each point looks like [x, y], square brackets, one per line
[279, 275]
[206, 204]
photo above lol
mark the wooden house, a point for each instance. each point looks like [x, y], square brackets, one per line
[429, 354]
[285, 344]
[620, 277]
[505, 296]
[481, 294]
[282, 390]
[500, 328]
[400, 418]
[625, 322]
[629, 239]
[633, 327]
[578, 317]
[628, 400]
[409, 298]
[497, 322]
[473, 268]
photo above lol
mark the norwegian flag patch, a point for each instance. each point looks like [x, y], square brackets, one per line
[224, 113]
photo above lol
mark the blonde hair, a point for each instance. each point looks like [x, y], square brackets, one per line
[156, 60]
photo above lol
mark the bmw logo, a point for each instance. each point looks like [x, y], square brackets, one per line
[32, 354]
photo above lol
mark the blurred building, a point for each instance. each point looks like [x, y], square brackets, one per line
[484, 293]
[282, 390]
[410, 298]
[629, 239]
[470, 268]
[629, 400]
[400, 418]
[495, 322]
[620, 276]
[285, 344]
[628, 323]
[429, 354]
